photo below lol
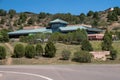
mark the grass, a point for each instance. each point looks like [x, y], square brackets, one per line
[60, 47]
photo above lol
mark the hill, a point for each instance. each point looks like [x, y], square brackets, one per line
[12, 20]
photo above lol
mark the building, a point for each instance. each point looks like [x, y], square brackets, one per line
[57, 25]
[95, 36]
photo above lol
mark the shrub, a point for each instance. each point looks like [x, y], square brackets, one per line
[86, 46]
[19, 51]
[2, 52]
[82, 56]
[66, 54]
[50, 50]
[39, 50]
[113, 54]
[30, 51]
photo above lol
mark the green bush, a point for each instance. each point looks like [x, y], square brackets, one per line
[2, 52]
[113, 54]
[39, 50]
[50, 50]
[19, 51]
[30, 51]
[82, 56]
[66, 54]
[86, 46]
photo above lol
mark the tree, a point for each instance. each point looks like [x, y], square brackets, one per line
[19, 51]
[113, 54]
[95, 23]
[66, 54]
[96, 15]
[82, 56]
[50, 50]
[117, 10]
[31, 21]
[86, 46]
[80, 35]
[112, 16]
[82, 17]
[3, 12]
[30, 51]
[39, 50]
[11, 13]
[2, 52]
[90, 13]
[22, 18]
[2, 21]
[42, 15]
[4, 36]
[107, 41]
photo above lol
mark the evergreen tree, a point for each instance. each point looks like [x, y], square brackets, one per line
[22, 18]
[90, 13]
[12, 13]
[107, 41]
[112, 16]
[39, 50]
[2, 52]
[3, 12]
[50, 50]
[96, 15]
[19, 51]
[82, 17]
[2, 21]
[42, 15]
[30, 51]
[86, 46]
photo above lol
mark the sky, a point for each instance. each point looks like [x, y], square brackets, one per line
[58, 6]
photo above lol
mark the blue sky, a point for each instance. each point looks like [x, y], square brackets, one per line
[58, 6]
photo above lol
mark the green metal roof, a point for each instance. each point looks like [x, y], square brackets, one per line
[94, 29]
[59, 21]
[44, 30]
[71, 28]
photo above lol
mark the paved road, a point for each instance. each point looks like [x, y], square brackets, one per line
[60, 72]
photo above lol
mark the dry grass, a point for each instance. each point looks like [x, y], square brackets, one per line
[60, 47]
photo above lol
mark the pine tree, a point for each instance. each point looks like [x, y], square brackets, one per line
[86, 46]
[107, 41]
[39, 50]
[50, 50]
[19, 51]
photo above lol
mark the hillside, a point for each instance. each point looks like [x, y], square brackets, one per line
[11, 20]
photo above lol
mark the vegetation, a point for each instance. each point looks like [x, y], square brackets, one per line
[107, 41]
[82, 56]
[30, 51]
[19, 51]
[100, 19]
[2, 52]
[86, 46]
[39, 50]
[66, 54]
[50, 50]
[113, 54]
[11, 13]
[4, 36]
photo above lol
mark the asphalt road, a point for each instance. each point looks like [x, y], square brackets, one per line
[60, 72]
